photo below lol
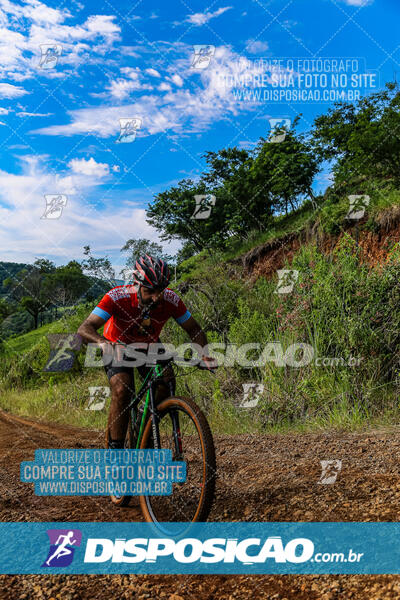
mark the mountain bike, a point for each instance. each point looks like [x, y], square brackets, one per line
[178, 424]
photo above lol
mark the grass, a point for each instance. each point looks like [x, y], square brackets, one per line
[26, 341]
[331, 218]
[281, 226]
[59, 402]
[66, 404]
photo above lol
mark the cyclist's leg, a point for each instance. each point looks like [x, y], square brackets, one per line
[122, 388]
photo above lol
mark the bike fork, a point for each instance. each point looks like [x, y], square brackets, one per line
[155, 419]
[177, 435]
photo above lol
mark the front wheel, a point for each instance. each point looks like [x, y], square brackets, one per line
[185, 431]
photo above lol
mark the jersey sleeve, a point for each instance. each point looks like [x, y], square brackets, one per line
[105, 307]
[180, 312]
[176, 306]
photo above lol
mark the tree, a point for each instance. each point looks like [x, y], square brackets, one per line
[187, 251]
[224, 165]
[44, 265]
[222, 189]
[283, 172]
[172, 213]
[29, 287]
[100, 268]
[362, 139]
[5, 309]
[248, 189]
[243, 208]
[136, 248]
[67, 284]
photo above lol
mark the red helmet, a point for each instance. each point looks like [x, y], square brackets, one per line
[151, 272]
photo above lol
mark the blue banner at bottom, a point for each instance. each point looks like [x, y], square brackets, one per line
[201, 548]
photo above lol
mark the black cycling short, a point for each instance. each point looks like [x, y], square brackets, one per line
[142, 369]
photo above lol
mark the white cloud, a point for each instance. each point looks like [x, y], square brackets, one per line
[153, 72]
[22, 205]
[11, 91]
[256, 46]
[29, 114]
[89, 167]
[4, 111]
[84, 43]
[210, 100]
[129, 51]
[35, 11]
[121, 88]
[164, 87]
[177, 79]
[202, 18]
[358, 2]
[11, 48]
[130, 72]
[102, 24]
[41, 13]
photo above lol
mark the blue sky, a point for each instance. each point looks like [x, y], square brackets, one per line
[126, 60]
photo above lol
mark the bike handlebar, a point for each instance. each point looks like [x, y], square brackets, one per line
[199, 366]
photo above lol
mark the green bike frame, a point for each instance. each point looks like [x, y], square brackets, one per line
[149, 400]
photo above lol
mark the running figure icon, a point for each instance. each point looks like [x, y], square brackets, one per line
[62, 549]
[63, 543]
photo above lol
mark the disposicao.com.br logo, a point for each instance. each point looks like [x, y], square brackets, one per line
[230, 554]
[248, 551]
[190, 550]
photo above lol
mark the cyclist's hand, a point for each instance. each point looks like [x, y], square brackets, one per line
[106, 346]
[209, 363]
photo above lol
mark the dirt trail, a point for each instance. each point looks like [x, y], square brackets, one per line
[261, 478]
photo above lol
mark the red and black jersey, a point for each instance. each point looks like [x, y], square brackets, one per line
[126, 321]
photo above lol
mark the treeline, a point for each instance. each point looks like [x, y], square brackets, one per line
[32, 295]
[245, 190]
[42, 287]
[38, 292]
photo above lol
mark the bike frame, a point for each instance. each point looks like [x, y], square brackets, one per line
[148, 387]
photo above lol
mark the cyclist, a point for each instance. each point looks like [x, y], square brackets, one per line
[132, 314]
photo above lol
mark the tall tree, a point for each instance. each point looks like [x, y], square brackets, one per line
[67, 284]
[223, 165]
[29, 287]
[100, 268]
[362, 139]
[283, 172]
[173, 213]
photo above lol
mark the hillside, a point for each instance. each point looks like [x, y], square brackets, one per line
[344, 307]
[298, 291]
[374, 245]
